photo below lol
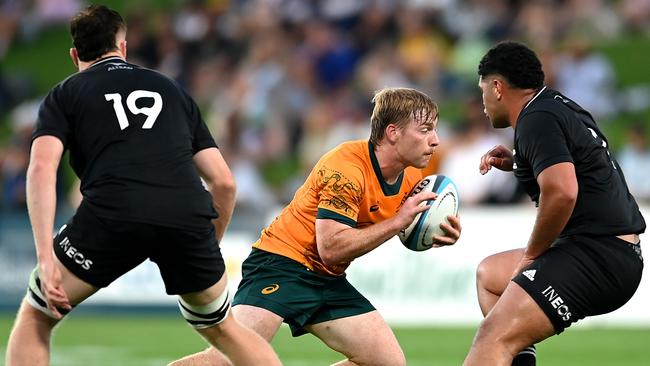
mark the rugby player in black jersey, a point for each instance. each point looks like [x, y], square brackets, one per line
[583, 256]
[138, 143]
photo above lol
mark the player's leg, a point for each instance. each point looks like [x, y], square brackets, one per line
[207, 311]
[259, 320]
[29, 341]
[515, 322]
[492, 277]
[191, 265]
[364, 339]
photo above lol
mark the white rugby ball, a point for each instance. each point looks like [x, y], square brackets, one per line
[419, 234]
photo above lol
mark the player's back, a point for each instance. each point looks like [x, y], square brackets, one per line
[132, 134]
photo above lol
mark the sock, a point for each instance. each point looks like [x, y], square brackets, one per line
[527, 357]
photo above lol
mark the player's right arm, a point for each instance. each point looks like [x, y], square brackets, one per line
[220, 183]
[44, 161]
[339, 243]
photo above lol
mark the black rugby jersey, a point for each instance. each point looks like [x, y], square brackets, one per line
[553, 129]
[132, 134]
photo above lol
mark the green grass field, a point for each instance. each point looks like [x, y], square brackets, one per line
[155, 340]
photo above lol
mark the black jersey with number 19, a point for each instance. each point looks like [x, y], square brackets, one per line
[552, 129]
[132, 134]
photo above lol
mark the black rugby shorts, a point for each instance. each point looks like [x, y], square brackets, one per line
[582, 276]
[99, 250]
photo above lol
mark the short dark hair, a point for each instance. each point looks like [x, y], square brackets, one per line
[93, 31]
[515, 62]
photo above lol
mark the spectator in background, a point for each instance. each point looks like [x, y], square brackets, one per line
[474, 136]
[635, 162]
[14, 159]
[586, 75]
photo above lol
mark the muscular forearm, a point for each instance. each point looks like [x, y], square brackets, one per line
[41, 205]
[223, 199]
[351, 243]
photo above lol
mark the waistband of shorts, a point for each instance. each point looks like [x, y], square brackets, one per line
[635, 246]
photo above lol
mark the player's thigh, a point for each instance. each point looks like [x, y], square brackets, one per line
[366, 339]
[263, 322]
[97, 250]
[495, 272]
[207, 295]
[190, 262]
[75, 288]
[516, 320]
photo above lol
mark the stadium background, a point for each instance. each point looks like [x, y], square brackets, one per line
[281, 81]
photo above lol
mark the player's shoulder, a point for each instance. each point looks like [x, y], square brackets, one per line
[550, 103]
[348, 158]
[349, 153]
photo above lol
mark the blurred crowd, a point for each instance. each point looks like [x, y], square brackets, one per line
[279, 82]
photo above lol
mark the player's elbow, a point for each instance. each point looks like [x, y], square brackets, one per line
[39, 171]
[327, 255]
[566, 194]
[327, 252]
[224, 186]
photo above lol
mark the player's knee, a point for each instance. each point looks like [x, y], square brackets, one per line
[36, 298]
[389, 356]
[208, 315]
[385, 359]
[483, 272]
[496, 335]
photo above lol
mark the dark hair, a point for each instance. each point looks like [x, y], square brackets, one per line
[515, 62]
[94, 30]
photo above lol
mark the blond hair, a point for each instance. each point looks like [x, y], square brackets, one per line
[397, 106]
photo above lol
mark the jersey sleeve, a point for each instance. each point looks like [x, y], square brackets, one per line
[541, 141]
[52, 118]
[201, 137]
[340, 192]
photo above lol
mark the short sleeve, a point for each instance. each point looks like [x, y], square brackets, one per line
[201, 137]
[541, 141]
[52, 118]
[340, 192]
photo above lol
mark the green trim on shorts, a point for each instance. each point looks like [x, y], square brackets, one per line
[295, 293]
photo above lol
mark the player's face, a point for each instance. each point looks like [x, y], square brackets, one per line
[418, 141]
[493, 109]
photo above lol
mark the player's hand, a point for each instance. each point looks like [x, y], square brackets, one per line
[499, 157]
[52, 289]
[411, 208]
[523, 263]
[452, 231]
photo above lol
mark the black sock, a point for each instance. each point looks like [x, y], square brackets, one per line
[527, 357]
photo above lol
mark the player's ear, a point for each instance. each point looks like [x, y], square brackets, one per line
[498, 86]
[74, 56]
[122, 47]
[391, 133]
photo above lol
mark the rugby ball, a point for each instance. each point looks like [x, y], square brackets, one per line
[419, 234]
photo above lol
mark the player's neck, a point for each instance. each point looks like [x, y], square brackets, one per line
[83, 65]
[389, 164]
[520, 101]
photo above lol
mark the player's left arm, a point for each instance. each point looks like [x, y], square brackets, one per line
[558, 194]
[220, 183]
